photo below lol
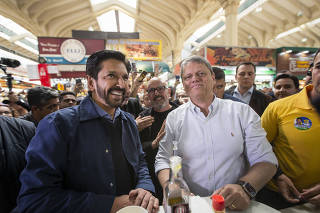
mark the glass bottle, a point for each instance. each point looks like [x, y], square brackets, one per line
[176, 195]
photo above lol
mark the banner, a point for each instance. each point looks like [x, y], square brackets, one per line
[232, 56]
[297, 64]
[68, 50]
[147, 50]
[44, 75]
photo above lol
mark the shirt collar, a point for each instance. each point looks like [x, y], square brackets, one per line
[303, 101]
[212, 107]
[250, 91]
[103, 113]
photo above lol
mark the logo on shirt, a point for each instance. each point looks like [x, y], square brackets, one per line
[302, 123]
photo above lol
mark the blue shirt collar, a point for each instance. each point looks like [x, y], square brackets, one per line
[90, 110]
[250, 91]
[103, 113]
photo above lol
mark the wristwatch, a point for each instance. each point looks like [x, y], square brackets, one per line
[251, 192]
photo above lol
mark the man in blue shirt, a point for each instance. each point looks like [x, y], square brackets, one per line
[221, 85]
[88, 158]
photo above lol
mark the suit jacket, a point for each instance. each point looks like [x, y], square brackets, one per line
[258, 101]
[70, 166]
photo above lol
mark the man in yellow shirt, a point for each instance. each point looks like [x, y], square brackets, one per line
[293, 128]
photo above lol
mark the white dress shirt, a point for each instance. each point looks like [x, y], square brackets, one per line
[217, 149]
[246, 97]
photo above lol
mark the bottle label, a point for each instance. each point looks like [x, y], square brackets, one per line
[182, 208]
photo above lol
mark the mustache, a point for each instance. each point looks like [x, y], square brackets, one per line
[158, 97]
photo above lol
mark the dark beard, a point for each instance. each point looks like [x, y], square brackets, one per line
[105, 96]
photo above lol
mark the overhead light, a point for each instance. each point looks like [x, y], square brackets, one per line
[249, 36]
[219, 36]
[286, 52]
[304, 40]
[90, 28]
[258, 9]
[305, 52]
[293, 30]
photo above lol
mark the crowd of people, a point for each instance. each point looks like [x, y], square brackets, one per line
[112, 149]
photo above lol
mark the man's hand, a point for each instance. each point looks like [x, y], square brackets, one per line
[144, 198]
[287, 189]
[121, 202]
[312, 195]
[144, 122]
[161, 133]
[235, 197]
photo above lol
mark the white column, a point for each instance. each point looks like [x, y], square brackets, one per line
[231, 13]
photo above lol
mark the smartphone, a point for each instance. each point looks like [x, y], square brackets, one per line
[133, 67]
[142, 76]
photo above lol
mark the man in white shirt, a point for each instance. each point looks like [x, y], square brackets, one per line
[224, 150]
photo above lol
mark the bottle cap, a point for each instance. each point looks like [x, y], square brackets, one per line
[218, 202]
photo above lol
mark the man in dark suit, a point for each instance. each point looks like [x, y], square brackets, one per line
[245, 91]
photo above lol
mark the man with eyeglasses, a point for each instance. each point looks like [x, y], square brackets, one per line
[67, 99]
[246, 91]
[42, 101]
[160, 107]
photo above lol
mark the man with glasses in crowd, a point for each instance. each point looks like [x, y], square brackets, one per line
[158, 95]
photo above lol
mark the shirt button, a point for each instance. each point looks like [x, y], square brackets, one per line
[107, 150]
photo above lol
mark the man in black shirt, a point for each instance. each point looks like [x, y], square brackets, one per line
[151, 136]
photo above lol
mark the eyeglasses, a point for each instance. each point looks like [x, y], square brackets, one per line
[159, 89]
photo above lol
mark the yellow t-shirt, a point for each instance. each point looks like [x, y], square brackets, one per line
[293, 129]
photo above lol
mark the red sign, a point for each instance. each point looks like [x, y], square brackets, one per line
[44, 75]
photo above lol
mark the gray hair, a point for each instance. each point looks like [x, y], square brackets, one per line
[197, 59]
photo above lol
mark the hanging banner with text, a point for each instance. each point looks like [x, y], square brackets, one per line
[232, 56]
[148, 50]
[44, 75]
[68, 50]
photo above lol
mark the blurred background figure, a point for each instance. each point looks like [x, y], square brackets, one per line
[43, 101]
[5, 110]
[285, 85]
[67, 99]
[221, 85]
[15, 135]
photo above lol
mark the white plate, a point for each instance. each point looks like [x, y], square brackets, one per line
[204, 205]
[132, 209]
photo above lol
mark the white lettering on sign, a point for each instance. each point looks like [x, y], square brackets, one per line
[73, 50]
